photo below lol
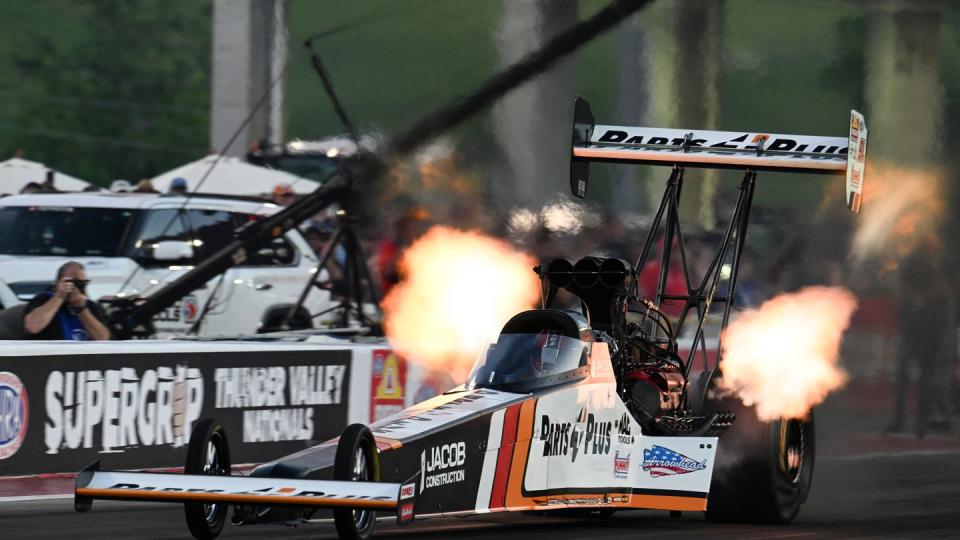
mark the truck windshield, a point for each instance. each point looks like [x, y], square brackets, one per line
[62, 231]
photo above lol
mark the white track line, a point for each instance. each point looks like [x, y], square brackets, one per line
[23, 498]
[893, 454]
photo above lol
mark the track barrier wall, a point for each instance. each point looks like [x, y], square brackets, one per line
[132, 405]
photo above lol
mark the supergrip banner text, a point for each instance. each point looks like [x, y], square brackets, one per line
[136, 410]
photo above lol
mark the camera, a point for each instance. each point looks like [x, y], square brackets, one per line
[80, 284]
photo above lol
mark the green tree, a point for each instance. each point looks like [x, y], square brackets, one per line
[120, 90]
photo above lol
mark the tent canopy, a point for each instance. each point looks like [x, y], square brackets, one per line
[17, 172]
[232, 176]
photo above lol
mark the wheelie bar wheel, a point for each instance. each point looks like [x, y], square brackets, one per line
[208, 453]
[357, 459]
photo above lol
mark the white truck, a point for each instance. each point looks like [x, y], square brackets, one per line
[134, 244]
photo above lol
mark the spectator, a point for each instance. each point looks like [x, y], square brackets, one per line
[120, 186]
[319, 236]
[178, 186]
[410, 226]
[47, 185]
[64, 311]
[144, 186]
[926, 311]
[283, 195]
[30, 187]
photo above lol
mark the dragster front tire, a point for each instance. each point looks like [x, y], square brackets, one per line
[357, 459]
[208, 453]
[764, 470]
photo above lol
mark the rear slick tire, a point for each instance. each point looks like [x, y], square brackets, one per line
[763, 470]
[207, 454]
[357, 459]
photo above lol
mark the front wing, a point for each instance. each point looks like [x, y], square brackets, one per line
[92, 484]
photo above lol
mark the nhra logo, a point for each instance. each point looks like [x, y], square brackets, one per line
[662, 461]
[14, 414]
[587, 435]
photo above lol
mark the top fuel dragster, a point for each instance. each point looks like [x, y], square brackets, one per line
[593, 410]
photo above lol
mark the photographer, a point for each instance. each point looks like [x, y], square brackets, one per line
[64, 312]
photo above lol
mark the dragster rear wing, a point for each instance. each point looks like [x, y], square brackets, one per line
[91, 483]
[717, 149]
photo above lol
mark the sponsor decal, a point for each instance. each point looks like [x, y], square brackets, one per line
[173, 313]
[443, 465]
[624, 430]
[128, 408]
[278, 491]
[617, 499]
[585, 436]
[621, 465]
[662, 461]
[14, 414]
[279, 400]
[190, 308]
[387, 382]
[568, 501]
[737, 141]
[406, 513]
[407, 491]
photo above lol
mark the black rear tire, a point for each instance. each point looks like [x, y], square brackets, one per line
[764, 470]
[357, 459]
[208, 453]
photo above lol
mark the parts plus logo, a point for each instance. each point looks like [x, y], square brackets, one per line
[586, 436]
[662, 461]
[14, 414]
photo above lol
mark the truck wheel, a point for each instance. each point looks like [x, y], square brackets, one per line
[208, 453]
[356, 460]
[764, 470]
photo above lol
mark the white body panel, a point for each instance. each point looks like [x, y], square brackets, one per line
[584, 437]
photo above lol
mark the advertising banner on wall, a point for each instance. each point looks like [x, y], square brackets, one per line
[137, 410]
[388, 379]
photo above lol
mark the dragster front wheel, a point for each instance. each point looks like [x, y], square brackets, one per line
[357, 459]
[209, 454]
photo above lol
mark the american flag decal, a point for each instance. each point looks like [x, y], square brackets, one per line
[662, 461]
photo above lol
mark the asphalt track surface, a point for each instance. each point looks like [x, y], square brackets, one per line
[880, 496]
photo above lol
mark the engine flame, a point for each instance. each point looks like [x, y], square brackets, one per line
[457, 291]
[783, 356]
[903, 208]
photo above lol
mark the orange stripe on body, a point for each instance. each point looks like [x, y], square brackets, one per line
[637, 501]
[668, 502]
[520, 450]
[383, 443]
[508, 437]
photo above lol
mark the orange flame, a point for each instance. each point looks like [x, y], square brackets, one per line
[459, 288]
[783, 356]
[903, 208]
